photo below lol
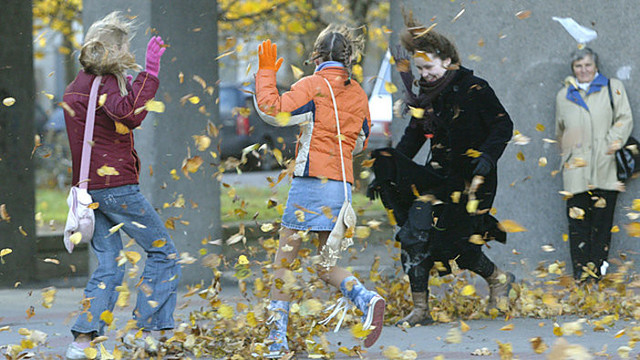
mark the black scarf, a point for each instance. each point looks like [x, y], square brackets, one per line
[428, 92]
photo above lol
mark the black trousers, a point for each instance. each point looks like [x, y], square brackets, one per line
[590, 237]
[447, 240]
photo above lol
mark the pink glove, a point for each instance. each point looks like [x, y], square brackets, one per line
[155, 50]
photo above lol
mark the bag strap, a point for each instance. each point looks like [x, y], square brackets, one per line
[335, 108]
[88, 133]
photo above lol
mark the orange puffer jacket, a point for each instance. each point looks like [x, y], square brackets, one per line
[310, 106]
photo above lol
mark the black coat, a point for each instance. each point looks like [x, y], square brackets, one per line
[469, 116]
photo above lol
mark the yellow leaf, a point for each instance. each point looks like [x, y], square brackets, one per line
[576, 213]
[297, 73]
[557, 330]
[115, 228]
[510, 226]
[159, 243]
[121, 128]
[106, 170]
[390, 87]
[633, 229]
[107, 317]
[8, 101]
[102, 99]
[362, 232]
[194, 99]
[538, 345]
[464, 327]
[565, 237]
[615, 229]
[104, 354]
[154, 304]
[132, 256]
[635, 206]
[358, 332]
[278, 155]
[507, 327]
[191, 165]
[90, 353]
[392, 352]
[472, 153]
[24, 233]
[454, 336]
[154, 106]
[251, 319]
[472, 206]
[357, 72]
[76, 238]
[417, 113]
[468, 290]
[283, 118]
[225, 311]
[540, 127]
[520, 156]
[542, 162]
[266, 227]
[94, 205]
[242, 260]
[202, 142]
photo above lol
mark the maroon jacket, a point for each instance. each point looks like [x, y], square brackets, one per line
[109, 147]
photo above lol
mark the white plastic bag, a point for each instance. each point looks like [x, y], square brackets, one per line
[341, 237]
[80, 220]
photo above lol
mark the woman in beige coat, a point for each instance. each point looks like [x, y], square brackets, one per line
[593, 120]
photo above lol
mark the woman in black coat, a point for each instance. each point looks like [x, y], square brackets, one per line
[468, 130]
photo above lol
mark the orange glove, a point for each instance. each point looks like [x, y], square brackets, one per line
[267, 54]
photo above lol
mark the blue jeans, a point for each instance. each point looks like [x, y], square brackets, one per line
[125, 204]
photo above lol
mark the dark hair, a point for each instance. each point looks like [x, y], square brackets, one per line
[337, 43]
[417, 37]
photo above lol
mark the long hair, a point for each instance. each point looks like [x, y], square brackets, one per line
[417, 37]
[106, 49]
[338, 43]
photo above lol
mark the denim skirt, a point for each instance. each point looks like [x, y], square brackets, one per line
[308, 196]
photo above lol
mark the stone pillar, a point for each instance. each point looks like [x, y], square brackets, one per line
[525, 58]
[16, 143]
[164, 140]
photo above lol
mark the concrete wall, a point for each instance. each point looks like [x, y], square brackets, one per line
[16, 142]
[525, 61]
[164, 140]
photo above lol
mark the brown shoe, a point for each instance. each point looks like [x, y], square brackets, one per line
[419, 315]
[499, 286]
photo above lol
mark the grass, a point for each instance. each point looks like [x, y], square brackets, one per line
[52, 204]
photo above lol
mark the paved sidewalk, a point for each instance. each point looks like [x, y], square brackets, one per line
[427, 342]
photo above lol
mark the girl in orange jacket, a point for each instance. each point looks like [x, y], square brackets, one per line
[318, 176]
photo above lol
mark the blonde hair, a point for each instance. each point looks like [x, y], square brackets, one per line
[338, 43]
[106, 49]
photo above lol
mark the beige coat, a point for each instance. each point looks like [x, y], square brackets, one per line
[585, 136]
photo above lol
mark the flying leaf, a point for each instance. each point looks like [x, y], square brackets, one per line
[283, 118]
[76, 238]
[202, 142]
[520, 156]
[510, 226]
[468, 290]
[121, 128]
[297, 73]
[507, 327]
[538, 345]
[90, 353]
[523, 14]
[540, 127]
[106, 170]
[115, 228]
[194, 99]
[154, 106]
[542, 162]
[454, 335]
[159, 243]
[4, 214]
[576, 213]
[472, 153]
[107, 317]
[417, 113]
[390, 87]
[633, 229]
[191, 165]
[8, 101]
[358, 332]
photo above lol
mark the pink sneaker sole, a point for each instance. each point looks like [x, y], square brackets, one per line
[377, 321]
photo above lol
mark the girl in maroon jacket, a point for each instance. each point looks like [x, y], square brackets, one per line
[113, 184]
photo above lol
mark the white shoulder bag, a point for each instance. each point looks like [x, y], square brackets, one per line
[81, 220]
[341, 237]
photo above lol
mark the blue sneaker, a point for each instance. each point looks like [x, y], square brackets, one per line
[279, 320]
[370, 303]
